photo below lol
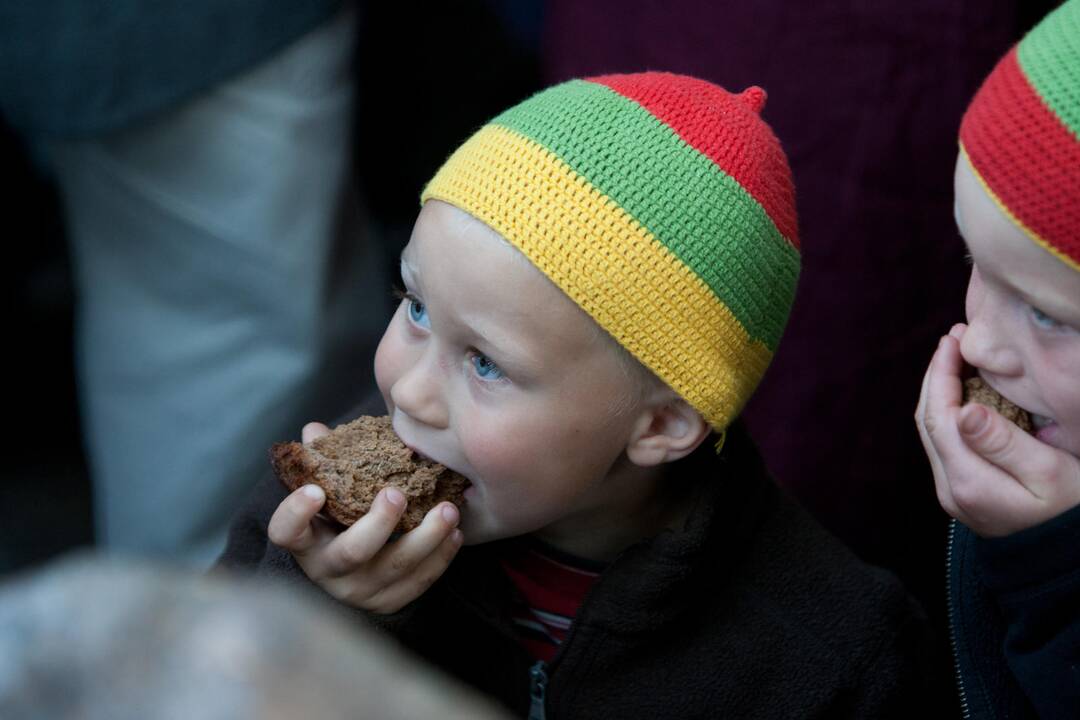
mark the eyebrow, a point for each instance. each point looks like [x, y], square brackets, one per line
[1055, 304]
[518, 363]
[497, 343]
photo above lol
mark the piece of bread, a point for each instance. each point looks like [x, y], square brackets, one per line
[357, 460]
[976, 390]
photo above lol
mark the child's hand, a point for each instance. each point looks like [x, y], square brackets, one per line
[989, 474]
[358, 566]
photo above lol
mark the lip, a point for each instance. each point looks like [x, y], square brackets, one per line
[422, 456]
[1048, 434]
[427, 457]
[405, 441]
[419, 453]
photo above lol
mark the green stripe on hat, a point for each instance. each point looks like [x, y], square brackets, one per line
[1049, 56]
[700, 213]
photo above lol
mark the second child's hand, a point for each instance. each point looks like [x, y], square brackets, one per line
[361, 566]
[989, 474]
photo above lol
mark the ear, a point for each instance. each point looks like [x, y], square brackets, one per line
[666, 431]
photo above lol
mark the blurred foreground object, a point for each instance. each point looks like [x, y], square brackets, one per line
[96, 639]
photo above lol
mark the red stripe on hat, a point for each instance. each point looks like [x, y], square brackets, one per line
[738, 146]
[1027, 156]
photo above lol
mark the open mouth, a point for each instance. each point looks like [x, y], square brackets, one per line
[422, 457]
[1040, 421]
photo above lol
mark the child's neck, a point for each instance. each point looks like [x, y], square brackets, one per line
[644, 502]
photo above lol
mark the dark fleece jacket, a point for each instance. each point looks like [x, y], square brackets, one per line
[1014, 606]
[752, 610]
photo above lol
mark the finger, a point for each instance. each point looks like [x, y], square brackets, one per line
[415, 546]
[367, 536]
[313, 430]
[942, 488]
[920, 407]
[930, 425]
[1041, 469]
[945, 389]
[423, 576]
[292, 525]
[957, 331]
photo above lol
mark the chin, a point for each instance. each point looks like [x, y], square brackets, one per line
[472, 528]
[478, 529]
[474, 536]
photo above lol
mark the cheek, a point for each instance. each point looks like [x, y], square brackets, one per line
[389, 358]
[497, 450]
[1066, 394]
[547, 449]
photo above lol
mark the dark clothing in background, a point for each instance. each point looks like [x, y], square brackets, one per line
[204, 159]
[751, 611]
[77, 68]
[866, 99]
[1013, 606]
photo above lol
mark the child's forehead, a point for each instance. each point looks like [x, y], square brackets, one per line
[451, 248]
[1004, 254]
[471, 270]
[439, 221]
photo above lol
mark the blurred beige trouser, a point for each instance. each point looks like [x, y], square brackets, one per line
[224, 291]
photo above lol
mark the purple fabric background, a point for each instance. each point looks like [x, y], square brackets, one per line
[866, 98]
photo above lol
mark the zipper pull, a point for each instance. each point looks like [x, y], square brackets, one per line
[537, 688]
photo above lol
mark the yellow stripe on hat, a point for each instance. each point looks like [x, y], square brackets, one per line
[610, 265]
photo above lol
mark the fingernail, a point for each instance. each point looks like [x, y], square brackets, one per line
[974, 420]
[395, 496]
[457, 537]
[450, 514]
[313, 491]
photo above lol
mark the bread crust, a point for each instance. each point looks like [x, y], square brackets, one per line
[358, 459]
[977, 390]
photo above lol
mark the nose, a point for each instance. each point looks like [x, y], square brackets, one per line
[989, 342]
[419, 391]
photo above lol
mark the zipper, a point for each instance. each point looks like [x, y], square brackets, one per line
[537, 688]
[965, 708]
[540, 672]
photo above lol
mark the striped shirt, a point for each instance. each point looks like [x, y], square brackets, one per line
[551, 586]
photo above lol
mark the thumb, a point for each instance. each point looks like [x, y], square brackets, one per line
[1032, 463]
[313, 430]
[991, 436]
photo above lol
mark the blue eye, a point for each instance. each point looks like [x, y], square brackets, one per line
[1043, 320]
[417, 312]
[485, 367]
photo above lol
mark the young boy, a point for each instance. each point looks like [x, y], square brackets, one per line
[1014, 571]
[597, 280]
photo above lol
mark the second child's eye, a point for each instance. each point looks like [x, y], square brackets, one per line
[1043, 320]
[417, 311]
[485, 367]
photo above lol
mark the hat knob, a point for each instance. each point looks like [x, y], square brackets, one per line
[754, 98]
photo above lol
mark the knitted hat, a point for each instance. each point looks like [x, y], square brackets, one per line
[1021, 134]
[662, 205]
